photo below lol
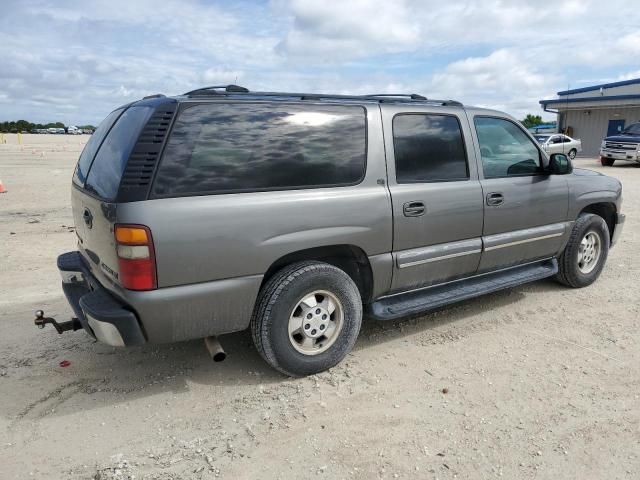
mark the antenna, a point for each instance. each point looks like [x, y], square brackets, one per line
[566, 116]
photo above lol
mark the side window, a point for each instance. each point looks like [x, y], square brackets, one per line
[90, 149]
[565, 139]
[505, 149]
[108, 166]
[225, 148]
[428, 148]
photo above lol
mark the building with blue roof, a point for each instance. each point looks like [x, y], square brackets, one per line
[592, 113]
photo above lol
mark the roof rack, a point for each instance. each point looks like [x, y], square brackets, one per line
[412, 96]
[213, 90]
[226, 90]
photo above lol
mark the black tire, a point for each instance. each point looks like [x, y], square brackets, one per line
[572, 153]
[607, 162]
[569, 273]
[276, 302]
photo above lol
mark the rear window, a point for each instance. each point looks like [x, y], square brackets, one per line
[106, 170]
[225, 148]
[90, 149]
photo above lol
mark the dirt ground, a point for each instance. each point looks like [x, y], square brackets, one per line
[539, 381]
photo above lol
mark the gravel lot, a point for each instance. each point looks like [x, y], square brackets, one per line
[538, 381]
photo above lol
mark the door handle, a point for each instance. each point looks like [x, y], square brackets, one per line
[495, 198]
[87, 217]
[413, 209]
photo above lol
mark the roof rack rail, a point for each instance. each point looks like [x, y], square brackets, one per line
[412, 96]
[380, 97]
[212, 90]
[155, 95]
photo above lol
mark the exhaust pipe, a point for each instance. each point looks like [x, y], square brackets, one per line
[216, 352]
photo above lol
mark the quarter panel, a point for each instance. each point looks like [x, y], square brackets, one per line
[204, 238]
[195, 311]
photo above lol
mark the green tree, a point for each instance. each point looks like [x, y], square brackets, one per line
[532, 120]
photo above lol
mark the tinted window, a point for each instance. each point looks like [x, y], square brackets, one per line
[633, 129]
[505, 148]
[428, 148]
[541, 138]
[221, 148]
[90, 149]
[106, 170]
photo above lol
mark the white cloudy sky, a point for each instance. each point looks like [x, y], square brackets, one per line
[73, 61]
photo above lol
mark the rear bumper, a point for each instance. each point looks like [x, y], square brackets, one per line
[102, 315]
[617, 231]
[164, 315]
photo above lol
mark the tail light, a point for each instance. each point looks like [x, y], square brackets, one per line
[136, 257]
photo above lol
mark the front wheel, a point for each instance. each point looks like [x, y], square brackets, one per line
[586, 252]
[606, 162]
[307, 318]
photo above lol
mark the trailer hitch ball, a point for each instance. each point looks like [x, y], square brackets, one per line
[72, 325]
[39, 321]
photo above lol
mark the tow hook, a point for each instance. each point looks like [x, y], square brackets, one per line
[40, 321]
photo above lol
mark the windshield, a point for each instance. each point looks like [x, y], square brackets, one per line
[633, 129]
[542, 138]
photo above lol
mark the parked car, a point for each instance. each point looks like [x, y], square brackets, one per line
[559, 143]
[623, 146]
[295, 215]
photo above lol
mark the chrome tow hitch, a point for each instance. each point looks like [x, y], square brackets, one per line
[73, 324]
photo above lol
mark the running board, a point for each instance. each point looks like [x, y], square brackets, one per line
[432, 298]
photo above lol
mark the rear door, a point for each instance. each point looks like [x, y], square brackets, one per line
[525, 209]
[436, 195]
[95, 186]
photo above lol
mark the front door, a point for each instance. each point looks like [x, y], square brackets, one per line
[615, 127]
[555, 144]
[525, 209]
[436, 196]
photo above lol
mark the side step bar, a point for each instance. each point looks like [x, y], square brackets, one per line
[432, 298]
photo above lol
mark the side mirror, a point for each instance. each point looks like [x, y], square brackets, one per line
[559, 164]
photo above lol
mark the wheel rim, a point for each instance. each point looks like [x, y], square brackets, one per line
[589, 252]
[315, 322]
[572, 154]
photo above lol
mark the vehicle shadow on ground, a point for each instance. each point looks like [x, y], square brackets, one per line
[111, 376]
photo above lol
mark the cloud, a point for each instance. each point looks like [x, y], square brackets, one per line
[357, 28]
[72, 61]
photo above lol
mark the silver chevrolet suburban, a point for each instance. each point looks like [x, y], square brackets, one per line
[295, 215]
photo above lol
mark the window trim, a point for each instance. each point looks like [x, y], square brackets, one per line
[185, 106]
[534, 142]
[464, 148]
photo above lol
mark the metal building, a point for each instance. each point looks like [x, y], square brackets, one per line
[592, 113]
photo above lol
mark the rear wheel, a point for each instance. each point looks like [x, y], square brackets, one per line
[307, 318]
[586, 252]
[572, 153]
[606, 162]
